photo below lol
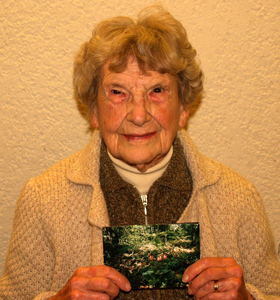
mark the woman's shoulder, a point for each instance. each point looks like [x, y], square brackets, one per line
[59, 169]
[52, 189]
[77, 163]
[232, 192]
[211, 175]
[51, 184]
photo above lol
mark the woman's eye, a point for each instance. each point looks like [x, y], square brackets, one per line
[117, 95]
[158, 94]
[116, 92]
[157, 90]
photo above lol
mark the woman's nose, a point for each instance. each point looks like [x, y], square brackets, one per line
[138, 111]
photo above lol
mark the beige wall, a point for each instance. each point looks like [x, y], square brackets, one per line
[237, 122]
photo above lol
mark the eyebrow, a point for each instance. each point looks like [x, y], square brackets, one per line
[149, 85]
[113, 83]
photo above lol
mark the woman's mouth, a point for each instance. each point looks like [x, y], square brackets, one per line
[139, 137]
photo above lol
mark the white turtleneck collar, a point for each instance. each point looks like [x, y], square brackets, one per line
[142, 181]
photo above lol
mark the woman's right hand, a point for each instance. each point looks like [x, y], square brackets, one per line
[99, 282]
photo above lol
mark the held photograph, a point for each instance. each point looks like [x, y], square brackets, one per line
[152, 256]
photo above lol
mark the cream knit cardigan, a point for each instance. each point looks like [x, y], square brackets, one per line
[59, 216]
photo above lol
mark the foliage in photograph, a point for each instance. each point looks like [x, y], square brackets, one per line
[152, 256]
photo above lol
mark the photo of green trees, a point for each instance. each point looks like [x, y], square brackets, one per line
[152, 256]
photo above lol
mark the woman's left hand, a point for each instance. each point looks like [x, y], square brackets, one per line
[216, 278]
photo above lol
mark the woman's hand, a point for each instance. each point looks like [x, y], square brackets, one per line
[99, 282]
[216, 278]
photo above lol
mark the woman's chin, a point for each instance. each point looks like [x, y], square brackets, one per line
[142, 162]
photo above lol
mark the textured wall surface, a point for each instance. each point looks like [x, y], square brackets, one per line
[237, 121]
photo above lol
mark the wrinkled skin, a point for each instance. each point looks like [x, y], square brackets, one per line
[102, 282]
[225, 271]
[99, 282]
[138, 114]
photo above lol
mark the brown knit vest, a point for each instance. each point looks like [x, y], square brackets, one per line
[167, 199]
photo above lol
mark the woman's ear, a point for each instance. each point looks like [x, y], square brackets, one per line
[94, 117]
[184, 115]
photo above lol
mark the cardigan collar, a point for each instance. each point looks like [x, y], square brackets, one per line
[85, 171]
[174, 176]
[204, 171]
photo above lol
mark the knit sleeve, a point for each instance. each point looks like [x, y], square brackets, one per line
[45, 296]
[30, 261]
[262, 269]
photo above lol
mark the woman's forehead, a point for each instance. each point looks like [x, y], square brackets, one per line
[134, 72]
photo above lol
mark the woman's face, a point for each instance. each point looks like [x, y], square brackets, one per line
[138, 114]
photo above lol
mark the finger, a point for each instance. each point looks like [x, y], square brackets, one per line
[210, 275]
[205, 290]
[229, 286]
[87, 295]
[93, 286]
[217, 296]
[104, 271]
[232, 294]
[103, 285]
[205, 263]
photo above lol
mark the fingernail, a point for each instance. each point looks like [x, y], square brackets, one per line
[189, 291]
[185, 278]
[128, 286]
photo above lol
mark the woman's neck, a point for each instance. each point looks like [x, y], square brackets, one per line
[142, 181]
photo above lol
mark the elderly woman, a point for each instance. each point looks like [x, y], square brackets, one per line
[137, 80]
